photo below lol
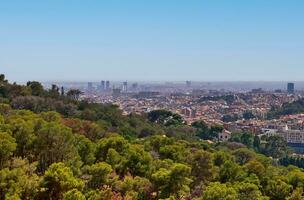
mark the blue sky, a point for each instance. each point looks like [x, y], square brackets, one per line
[202, 40]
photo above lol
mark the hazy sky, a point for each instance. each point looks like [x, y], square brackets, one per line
[201, 40]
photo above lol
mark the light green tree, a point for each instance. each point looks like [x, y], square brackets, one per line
[57, 180]
[7, 147]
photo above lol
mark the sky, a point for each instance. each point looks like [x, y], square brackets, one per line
[152, 40]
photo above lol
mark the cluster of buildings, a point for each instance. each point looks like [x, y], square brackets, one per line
[220, 106]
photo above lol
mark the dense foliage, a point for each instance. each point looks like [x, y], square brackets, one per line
[295, 107]
[53, 146]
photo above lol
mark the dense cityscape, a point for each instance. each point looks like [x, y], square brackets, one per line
[237, 109]
[151, 100]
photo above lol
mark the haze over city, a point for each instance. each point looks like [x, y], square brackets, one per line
[152, 40]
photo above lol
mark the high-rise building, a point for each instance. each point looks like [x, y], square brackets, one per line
[102, 85]
[188, 83]
[116, 92]
[134, 86]
[107, 85]
[125, 86]
[90, 86]
[290, 88]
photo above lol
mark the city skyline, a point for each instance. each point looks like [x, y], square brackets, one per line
[152, 41]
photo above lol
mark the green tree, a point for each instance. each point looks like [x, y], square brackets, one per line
[174, 181]
[23, 132]
[73, 195]
[255, 167]
[220, 157]
[165, 117]
[74, 94]
[202, 129]
[202, 166]
[297, 194]
[243, 155]
[55, 144]
[215, 130]
[86, 149]
[248, 115]
[36, 88]
[278, 189]
[276, 147]
[296, 178]
[230, 172]
[248, 191]
[256, 143]
[218, 191]
[57, 180]
[99, 174]
[19, 180]
[7, 147]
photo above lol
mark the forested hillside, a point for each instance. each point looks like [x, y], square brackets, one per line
[53, 146]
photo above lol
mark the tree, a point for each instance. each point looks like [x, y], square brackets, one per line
[220, 157]
[23, 132]
[215, 130]
[57, 180]
[278, 189]
[73, 195]
[243, 155]
[230, 118]
[165, 117]
[99, 173]
[19, 180]
[230, 172]
[255, 167]
[2, 78]
[248, 115]
[297, 194]
[276, 147]
[7, 147]
[54, 91]
[55, 144]
[247, 139]
[74, 94]
[202, 129]
[247, 191]
[218, 191]
[202, 166]
[173, 181]
[256, 143]
[36, 88]
[86, 149]
[137, 187]
[296, 178]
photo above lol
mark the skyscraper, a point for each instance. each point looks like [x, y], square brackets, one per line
[125, 86]
[107, 85]
[290, 88]
[90, 86]
[134, 86]
[102, 85]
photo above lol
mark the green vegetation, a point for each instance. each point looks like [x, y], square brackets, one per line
[295, 107]
[228, 98]
[53, 146]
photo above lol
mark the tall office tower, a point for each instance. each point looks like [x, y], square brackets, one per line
[125, 86]
[107, 85]
[90, 86]
[290, 88]
[102, 85]
[116, 92]
[134, 86]
[188, 83]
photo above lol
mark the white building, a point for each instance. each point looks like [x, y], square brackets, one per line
[224, 136]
